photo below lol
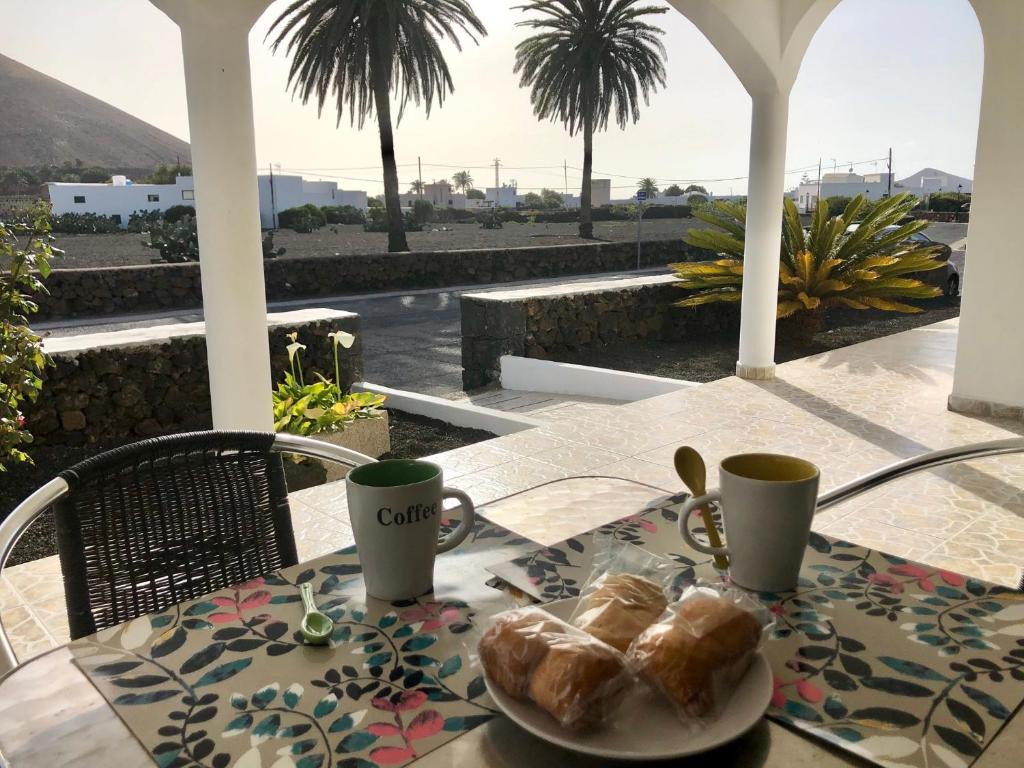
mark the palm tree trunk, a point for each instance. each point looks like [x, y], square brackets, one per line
[392, 203]
[586, 224]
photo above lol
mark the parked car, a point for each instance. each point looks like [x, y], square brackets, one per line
[946, 278]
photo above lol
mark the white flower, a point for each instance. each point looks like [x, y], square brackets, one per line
[341, 337]
[292, 349]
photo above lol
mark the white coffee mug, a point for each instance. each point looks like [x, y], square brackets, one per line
[396, 508]
[767, 503]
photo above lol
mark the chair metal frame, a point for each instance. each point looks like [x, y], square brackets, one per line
[12, 528]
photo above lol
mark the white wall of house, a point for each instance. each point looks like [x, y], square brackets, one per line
[293, 191]
[122, 198]
[873, 186]
[505, 196]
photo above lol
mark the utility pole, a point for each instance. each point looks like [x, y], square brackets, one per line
[273, 202]
[497, 178]
[419, 163]
[816, 199]
[889, 191]
[565, 169]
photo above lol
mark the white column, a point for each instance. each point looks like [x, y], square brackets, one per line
[768, 126]
[989, 376]
[215, 47]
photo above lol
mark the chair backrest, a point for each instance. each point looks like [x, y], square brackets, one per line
[157, 522]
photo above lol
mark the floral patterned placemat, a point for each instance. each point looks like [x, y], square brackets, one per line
[226, 681]
[901, 663]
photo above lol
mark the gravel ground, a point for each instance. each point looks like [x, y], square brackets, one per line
[123, 249]
[714, 356]
[411, 437]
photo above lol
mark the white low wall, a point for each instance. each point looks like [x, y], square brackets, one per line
[566, 379]
[458, 413]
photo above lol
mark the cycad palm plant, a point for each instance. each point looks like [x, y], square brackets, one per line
[648, 186]
[363, 51]
[590, 60]
[831, 264]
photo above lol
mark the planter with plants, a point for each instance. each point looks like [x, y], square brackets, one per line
[321, 410]
[855, 260]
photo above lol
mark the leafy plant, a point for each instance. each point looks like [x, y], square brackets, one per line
[84, 224]
[648, 185]
[178, 212]
[422, 211]
[303, 218]
[673, 190]
[167, 173]
[588, 61]
[366, 51]
[25, 253]
[269, 252]
[831, 264]
[462, 180]
[177, 241]
[377, 221]
[321, 406]
[475, 194]
[343, 214]
[142, 221]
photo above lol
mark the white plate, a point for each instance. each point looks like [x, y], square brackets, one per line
[646, 728]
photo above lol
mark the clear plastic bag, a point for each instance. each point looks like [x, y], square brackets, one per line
[625, 593]
[700, 648]
[531, 655]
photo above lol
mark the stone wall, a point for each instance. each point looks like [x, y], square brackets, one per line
[544, 324]
[159, 287]
[161, 385]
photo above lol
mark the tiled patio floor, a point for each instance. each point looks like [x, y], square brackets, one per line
[850, 411]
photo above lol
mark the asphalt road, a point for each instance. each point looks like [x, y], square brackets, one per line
[412, 339]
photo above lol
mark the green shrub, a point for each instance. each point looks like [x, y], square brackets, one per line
[25, 253]
[269, 251]
[377, 221]
[302, 218]
[85, 224]
[141, 221]
[453, 215]
[837, 204]
[178, 212]
[475, 194]
[949, 201]
[177, 241]
[422, 211]
[342, 214]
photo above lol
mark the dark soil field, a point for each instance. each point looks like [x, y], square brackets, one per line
[126, 248]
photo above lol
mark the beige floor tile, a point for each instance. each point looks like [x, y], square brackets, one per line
[26, 634]
[528, 442]
[576, 459]
[657, 475]
[881, 536]
[470, 459]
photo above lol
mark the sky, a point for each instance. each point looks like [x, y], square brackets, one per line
[904, 74]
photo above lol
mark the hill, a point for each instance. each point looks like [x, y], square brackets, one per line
[934, 180]
[46, 122]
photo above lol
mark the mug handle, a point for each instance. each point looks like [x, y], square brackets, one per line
[684, 522]
[457, 536]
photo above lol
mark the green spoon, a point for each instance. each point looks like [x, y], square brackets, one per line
[316, 626]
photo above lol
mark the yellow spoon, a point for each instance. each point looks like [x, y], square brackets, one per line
[691, 470]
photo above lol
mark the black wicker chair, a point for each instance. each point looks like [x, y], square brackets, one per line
[151, 524]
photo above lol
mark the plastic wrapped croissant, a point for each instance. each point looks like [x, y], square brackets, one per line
[700, 648]
[577, 679]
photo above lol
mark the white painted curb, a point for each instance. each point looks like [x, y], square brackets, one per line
[567, 379]
[461, 414]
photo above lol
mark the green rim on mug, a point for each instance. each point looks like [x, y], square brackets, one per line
[394, 473]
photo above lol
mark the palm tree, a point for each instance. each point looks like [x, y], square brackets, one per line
[416, 187]
[363, 51]
[590, 59]
[648, 185]
[696, 189]
[462, 180]
[873, 265]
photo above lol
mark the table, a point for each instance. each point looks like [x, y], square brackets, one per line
[51, 714]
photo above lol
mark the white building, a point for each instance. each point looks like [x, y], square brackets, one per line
[505, 196]
[279, 193]
[929, 180]
[121, 198]
[874, 186]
